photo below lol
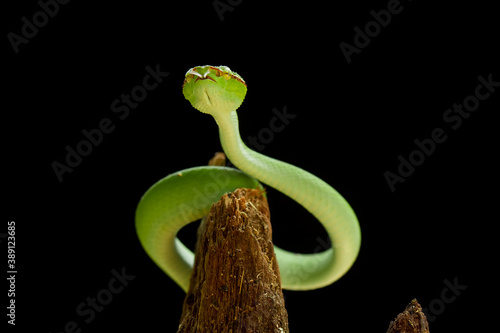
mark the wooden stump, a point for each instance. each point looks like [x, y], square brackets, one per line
[235, 285]
[411, 320]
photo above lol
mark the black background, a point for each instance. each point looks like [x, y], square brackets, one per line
[352, 122]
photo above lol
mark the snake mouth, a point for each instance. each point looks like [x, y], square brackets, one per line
[207, 72]
[199, 76]
[208, 77]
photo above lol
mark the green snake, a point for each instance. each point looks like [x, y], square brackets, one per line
[187, 195]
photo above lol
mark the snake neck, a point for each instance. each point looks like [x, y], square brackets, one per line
[315, 195]
[266, 169]
[233, 146]
[294, 182]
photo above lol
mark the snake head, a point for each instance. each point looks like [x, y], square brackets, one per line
[214, 90]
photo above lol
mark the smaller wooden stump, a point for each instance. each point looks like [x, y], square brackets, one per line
[235, 285]
[411, 320]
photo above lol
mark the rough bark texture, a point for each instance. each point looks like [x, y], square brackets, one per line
[411, 320]
[235, 285]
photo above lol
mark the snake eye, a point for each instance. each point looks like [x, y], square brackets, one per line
[225, 72]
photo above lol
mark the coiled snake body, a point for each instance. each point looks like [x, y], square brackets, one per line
[187, 195]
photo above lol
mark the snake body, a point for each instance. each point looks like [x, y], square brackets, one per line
[187, 195]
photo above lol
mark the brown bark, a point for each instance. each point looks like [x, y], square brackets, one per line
[235, 285]
[411, 320]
